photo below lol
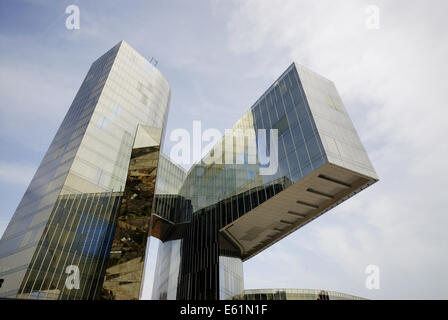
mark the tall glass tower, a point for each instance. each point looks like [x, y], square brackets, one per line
[74, 214]
[81, 229]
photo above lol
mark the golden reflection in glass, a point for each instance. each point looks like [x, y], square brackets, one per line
[124, 273]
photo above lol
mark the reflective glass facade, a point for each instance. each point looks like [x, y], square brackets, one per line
[125, 267]
[81, 230]
[64, 226]
[227, 212]
[293, 294]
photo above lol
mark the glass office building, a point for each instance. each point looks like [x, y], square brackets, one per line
[294, 294]
[58, 242]
[81, 229]
[231, 210]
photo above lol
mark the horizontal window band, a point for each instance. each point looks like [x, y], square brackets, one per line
[319, 193]
[301, 215]
[307, 204]
[342, 184]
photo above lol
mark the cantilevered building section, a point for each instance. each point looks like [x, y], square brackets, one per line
[231, 212]
[58, 242]
[320, 156]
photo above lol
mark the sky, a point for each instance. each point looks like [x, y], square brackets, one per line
[219, 57]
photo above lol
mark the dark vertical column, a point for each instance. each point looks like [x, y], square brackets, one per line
[199, 270]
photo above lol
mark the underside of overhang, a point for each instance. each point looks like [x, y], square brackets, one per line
[294, 207]
[164, 229]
